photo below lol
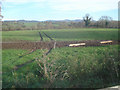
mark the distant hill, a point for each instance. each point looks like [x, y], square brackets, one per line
[21, 21]
[66, 20]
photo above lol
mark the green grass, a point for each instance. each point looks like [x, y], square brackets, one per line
[88, 67]
[62, 34]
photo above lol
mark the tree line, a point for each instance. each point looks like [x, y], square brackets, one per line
[87, 22]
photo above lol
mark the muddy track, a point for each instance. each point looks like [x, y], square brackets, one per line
[27, 53]
[19, 66]
[48, 36]
[41, 36]
[49, 51]
[50, 44]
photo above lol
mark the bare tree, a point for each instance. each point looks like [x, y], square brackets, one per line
[87, 19]
[105, 20]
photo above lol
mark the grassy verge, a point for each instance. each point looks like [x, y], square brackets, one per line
[84, 67]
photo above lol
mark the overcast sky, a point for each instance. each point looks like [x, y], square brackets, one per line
[58, 9]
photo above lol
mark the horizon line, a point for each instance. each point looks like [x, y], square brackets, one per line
[48, 20]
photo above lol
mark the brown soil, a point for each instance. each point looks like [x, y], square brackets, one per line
[50, 44]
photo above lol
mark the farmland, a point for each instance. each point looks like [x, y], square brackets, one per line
[62, 35]
[83, 67]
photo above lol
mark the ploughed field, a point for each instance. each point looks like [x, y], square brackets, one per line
[52, 44]
[43, 58]
[47, 38]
